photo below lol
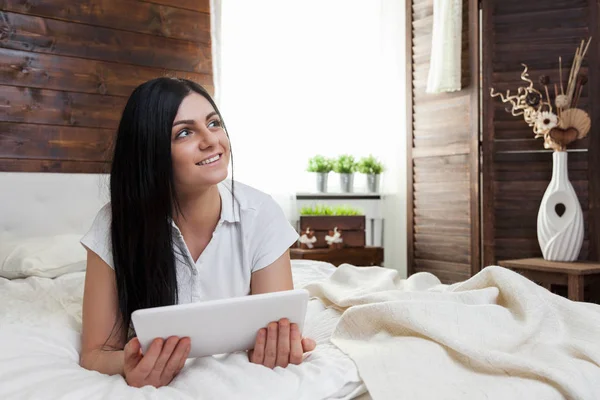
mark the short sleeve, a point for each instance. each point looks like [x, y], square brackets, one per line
[97, 239]
[272, 235]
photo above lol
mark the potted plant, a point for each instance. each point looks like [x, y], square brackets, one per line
[345, 166]
[321, 166]
[371, 167]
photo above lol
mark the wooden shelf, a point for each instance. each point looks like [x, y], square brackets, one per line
[359, 256]
[338, 196]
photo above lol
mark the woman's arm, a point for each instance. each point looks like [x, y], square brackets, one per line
[103, 338]
[273, 278]
[101, 348]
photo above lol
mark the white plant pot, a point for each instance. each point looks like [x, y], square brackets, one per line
[322, 181]
[560, 219]
[347, 182]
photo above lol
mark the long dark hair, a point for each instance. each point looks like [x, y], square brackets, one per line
[143, 196]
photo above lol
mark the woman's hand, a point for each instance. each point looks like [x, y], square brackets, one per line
[280, 344]
[160, 364]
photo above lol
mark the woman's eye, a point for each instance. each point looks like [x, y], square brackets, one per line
[215, 123]
[183, 133]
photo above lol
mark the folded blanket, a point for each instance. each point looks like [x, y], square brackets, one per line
[495, 336]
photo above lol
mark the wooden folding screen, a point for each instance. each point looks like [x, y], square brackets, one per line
[445, 209]
[443, 161]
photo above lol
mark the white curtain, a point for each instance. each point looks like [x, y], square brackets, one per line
[299, 78]
[446, 46]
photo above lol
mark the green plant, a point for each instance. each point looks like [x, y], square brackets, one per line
[319, 164]
[370, 165]
[344, 164]
[323, 210]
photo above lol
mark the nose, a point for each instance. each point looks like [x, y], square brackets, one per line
[207, 139]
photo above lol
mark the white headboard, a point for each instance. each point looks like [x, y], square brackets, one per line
[41, 204]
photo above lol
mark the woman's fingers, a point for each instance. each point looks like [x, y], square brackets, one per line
[186, 352]
[283, 343]
[257, 355]
[132, 354]
[162, 359]
[271, 346]
[174, 364]
[146, 364]
[308, 344]
[296, 350]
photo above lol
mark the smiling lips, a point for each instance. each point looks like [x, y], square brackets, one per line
[210, 160]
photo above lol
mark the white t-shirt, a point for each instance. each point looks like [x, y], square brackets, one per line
[249, 236]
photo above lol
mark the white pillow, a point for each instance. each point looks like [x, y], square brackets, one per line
[46, 257]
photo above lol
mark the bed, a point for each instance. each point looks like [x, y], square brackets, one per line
[496, 335]
[41, 288]
[40, 320]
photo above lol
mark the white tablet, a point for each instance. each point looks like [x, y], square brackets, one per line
[220, 326]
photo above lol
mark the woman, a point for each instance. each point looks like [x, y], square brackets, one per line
[174, 232]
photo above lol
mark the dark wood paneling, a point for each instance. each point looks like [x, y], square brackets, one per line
[45, 71]
[194, 5]
[51, 142]
[126, 15]
[40, 35]
[41, 106]
[85, 167]
[516, 168]
[594, 142]
[67, 69]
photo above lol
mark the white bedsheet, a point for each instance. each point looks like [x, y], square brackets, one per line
[40, 321]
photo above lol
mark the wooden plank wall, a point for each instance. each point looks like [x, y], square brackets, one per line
[516, 170]
[67, 68]
[443, 210]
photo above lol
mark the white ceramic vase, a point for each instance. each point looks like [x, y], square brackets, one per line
[560, 219]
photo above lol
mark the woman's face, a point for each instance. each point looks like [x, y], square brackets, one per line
[199, 145]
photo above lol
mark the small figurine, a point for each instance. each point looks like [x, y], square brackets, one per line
[307, 239]
[334, 239]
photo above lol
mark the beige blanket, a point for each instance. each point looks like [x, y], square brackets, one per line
[494, 336]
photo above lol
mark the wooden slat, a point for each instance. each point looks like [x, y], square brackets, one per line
[449, 150]
[435, 239]
[27, 141]
[126, 15]
[447, 272]
[437, 229]
[461, 175]
[194, 5]
[45, 71]
[41, 106]
[20, 165]
[410, 226]
[442, 252]
[39, 35]
[518, 7]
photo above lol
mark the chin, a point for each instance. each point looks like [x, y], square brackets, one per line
[214, 177]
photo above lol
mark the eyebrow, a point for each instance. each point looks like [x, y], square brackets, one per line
[191, 121]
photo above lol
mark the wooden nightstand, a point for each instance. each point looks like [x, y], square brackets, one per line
[359, 256]
[575, 275]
